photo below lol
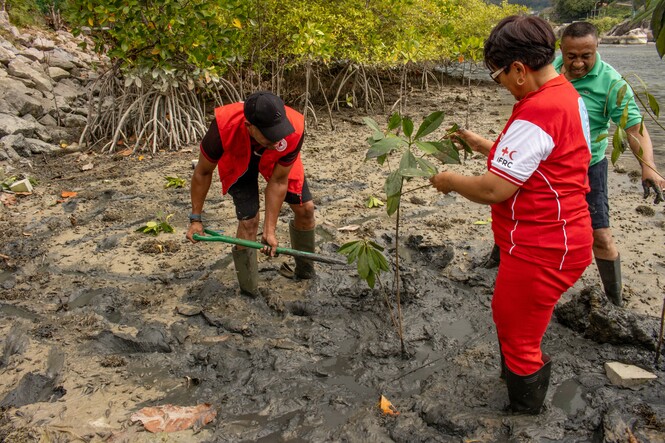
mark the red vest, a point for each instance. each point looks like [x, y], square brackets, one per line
[237, 148]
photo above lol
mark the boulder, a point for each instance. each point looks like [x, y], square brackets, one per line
[6, 55]
[25, 104]
[39, 146]
[61, 59]
[43, 44]
[10, 125]
[33, 54]
[19, 68]
[66, 93]
[57, 73]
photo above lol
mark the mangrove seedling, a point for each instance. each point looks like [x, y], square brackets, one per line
[161, 224]
[412, 149]
[174, 182]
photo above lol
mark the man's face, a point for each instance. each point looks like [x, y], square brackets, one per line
[579, 55]
[256, 134]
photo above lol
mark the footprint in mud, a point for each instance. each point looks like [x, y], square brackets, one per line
[438, 256]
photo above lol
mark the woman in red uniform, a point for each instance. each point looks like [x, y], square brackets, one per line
[536, 182]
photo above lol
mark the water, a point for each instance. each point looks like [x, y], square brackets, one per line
[643, 61]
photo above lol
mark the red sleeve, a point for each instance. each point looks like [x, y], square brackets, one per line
[291, 157]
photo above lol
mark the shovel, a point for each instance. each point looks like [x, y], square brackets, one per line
[216, 236]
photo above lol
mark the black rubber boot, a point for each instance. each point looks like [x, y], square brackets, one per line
[302, 241]
[610, 275]
[247, 270]
[504, 369]
[493, 259]
[527, 392]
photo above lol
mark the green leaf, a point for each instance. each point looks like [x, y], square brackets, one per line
[372, 124]
[602, 137]
[393, 184]
[621, 94]
[371, 280]
[393, 203]
[374, 245]
[346, 248]
[617, 143]
[624, 117]
[464, 144]
[430, 124]
[427, 166]
[407, 126]
[448, 153]
[408, 161]
[414, 172]
[394, 122]
[384, 146]
[653, 104]
[363, 264]
[427, 147]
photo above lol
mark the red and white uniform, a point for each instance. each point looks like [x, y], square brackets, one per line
[544, 229]
[544, 149]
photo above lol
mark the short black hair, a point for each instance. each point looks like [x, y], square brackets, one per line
[579, 30]
[524, 38]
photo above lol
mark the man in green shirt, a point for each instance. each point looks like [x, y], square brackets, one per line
[594, 80]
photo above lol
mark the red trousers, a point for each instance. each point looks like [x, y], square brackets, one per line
[524, 297]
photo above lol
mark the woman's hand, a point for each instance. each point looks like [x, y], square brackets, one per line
[441, 182]
[475, 141]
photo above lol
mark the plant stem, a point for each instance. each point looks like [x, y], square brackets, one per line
[660, 335]
[388, 305]
[397, 278]
[415, 189]
[642, 162]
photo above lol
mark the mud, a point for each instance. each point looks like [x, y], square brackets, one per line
[99, 321]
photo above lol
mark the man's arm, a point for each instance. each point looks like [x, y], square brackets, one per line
[201, 180]
[642, 148]
[275, 194]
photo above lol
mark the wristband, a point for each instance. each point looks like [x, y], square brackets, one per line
[195, 217]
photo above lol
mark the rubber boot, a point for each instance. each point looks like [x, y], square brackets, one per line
[493, 259]
[247, 270]
[504, 369]
[610, 275]
[527, 392]
[302, 241]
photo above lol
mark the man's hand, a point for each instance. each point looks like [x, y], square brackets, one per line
[649, 184]
[194, 228]
[441, 182]
[270, 242]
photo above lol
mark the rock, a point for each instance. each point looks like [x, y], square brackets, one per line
[10, 124]
[6, 108]
[6, 55]
[48, 120]
[18, 143]
[57, 73]
[21, 69]
[25, 104]
[41, 147]
[33, 54]
[67, 93]
[61, 59]
[74, 120]
[627, 376]
[43, 44]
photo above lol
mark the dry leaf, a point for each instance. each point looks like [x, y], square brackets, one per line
[125, 152]
[27, 234]
[87, 167]
[386, 407]
[7, 199]
[349, 228]
[67, 194]
[141, 157]
[170, 418]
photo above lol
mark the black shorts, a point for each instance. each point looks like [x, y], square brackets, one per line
[245, 193]
[597, 199]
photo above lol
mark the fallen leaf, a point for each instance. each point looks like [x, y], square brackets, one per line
[386, 407]
[87, 167]
[483, 222]
[141, 158]
[8, 199]
[125, 152]
[67, 194]
[349, 228]
[27, 234]
[170, 418]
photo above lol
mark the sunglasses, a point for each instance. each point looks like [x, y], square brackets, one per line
[496, 73]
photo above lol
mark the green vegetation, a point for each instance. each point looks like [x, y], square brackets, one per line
[161, 224]
[174, 182]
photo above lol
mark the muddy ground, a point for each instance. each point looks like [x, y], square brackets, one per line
[99, 321]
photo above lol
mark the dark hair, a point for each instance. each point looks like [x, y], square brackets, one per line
[579, 30]
[524, 38]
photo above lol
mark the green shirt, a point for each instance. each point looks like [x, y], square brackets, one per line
[594, 88]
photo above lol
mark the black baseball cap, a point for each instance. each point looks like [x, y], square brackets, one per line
[266, 111]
